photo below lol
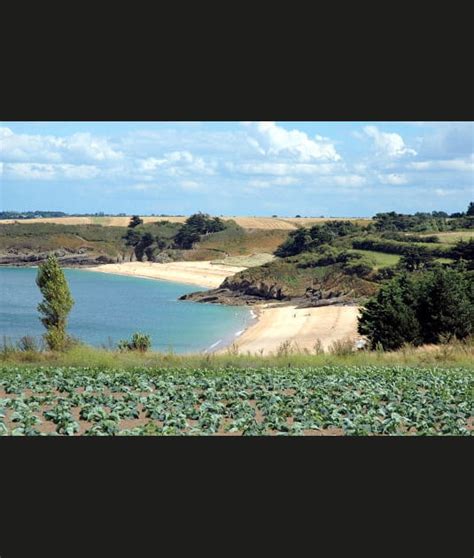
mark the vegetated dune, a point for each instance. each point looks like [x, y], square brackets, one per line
[302, 327]
[269, 223]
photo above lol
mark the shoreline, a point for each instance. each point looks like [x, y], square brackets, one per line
[223, 345]
[276, 326]
[272, 326]
[202, 274]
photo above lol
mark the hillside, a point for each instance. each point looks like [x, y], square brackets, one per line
[29, 242]
[346, 262]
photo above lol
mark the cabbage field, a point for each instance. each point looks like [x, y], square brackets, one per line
[328, 400]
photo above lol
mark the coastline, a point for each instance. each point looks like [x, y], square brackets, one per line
[276, 324]
[272, 324]
[203, 274]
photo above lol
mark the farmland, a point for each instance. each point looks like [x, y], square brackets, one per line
[265, 223]
[329, 400]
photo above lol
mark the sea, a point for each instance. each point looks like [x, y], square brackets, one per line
[109, 308]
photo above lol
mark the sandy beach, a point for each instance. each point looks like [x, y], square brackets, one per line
[277, 324]
[202, 274]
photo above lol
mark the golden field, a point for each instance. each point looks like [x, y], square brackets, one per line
[268, 223]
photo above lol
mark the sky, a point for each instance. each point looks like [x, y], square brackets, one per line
[338, 169]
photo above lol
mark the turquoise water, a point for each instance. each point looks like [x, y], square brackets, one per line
[111, 307]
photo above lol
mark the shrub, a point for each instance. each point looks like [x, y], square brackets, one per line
[140, 342]
[318, 348]
[360, 268]
[27, 343]
[285, 348]
[342, 347]
[195, 226]
[304, 240]
[385, 274]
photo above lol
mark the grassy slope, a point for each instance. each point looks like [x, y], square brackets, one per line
[445, 356]
[294, 280]
[380, 259]
[42, 237]
[453, 236]
[235, 241]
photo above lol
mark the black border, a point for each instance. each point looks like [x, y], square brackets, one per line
[357, 61]
[335, 497]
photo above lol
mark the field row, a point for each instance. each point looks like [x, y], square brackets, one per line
[313, 401]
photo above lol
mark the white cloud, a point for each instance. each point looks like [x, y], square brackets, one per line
[177, 163]
[280, 169]
[449, 165]
[269, 139]
[285, 180]
[190, 185]
[35, 148]
[395, 179]
[388, 143]
[87, 146]
[48, 171]
[259, 183]
[279, 181]
[347, 180]
[441, 192]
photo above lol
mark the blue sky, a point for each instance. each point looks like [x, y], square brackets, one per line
[237, 168]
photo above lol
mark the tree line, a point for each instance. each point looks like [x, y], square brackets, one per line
[418, 308]
[144, 243]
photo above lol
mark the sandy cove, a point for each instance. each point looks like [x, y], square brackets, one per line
[275, 324]
[301, 326]
[202, 274]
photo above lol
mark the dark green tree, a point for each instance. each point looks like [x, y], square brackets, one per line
[445, 306]
[186, 237]
[297, 242]
[195, 226]
[415, 260]
[135, 221]
[146, 241]
[421, 308]
[161, 243]
[132, 237]
[202, 223]
[56, 305]
[304, 239]
[389, 319]
[470, 210]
